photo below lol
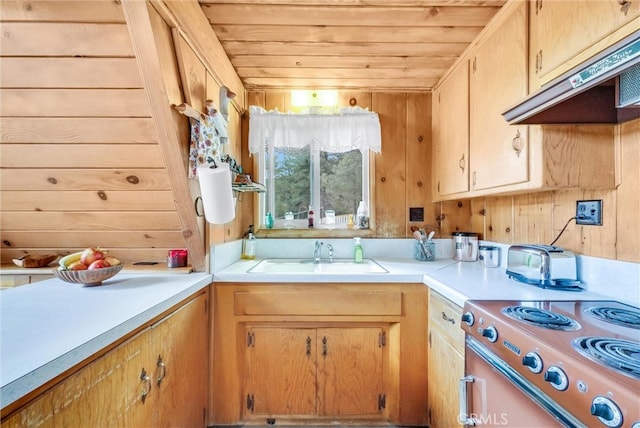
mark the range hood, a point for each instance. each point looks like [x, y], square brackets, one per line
[604, 89]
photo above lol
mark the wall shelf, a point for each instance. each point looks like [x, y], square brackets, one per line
[253, 187]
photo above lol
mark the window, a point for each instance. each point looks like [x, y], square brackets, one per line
[297, 178]
[315, 159]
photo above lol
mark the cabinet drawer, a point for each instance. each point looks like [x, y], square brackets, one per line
[446, 316]
[312, 302]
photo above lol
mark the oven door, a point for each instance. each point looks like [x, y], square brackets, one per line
[493, 394]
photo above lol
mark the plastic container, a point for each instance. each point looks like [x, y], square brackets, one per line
[249, 245]
[358, 251]
[268, 221]
[362, 216]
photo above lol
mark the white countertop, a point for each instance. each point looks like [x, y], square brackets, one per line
[461, 281]
[50, 326]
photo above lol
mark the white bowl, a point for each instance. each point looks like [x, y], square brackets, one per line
[88, 277]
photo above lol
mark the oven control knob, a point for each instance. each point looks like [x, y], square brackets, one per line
[490, 333]
[607, 411]
[533, 361]
[557, 378]
[468, 319]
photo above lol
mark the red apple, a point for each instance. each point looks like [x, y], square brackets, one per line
[90, 255]
[77, 266]
[99, 264]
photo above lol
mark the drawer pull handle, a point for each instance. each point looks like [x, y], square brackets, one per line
[146, 379]
[162, 370]
[448, 319]
[308, 346]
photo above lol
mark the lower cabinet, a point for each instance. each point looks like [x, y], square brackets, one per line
[315, 371]
[319, 353]
[156, 378]
[446, 361]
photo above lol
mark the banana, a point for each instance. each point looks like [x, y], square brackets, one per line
[68, 259]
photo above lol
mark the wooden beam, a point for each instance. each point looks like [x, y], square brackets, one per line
[188, 18]
[144, 45]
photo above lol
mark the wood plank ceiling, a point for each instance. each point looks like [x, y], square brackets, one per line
[374, 45]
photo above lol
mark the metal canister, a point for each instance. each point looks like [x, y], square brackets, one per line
[490, 255]
[465, 246]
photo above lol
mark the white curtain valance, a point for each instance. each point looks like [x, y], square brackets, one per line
[350, 129]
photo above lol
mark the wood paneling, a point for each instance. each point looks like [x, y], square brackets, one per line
[386, 46]
[627, 195]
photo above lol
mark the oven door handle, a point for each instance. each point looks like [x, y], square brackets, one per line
[463, 415]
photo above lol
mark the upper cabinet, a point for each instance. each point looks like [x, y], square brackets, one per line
[498, 152]
[563, 30]
[476, 152]
[451, 133]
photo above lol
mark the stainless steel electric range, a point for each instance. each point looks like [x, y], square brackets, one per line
[542, 363]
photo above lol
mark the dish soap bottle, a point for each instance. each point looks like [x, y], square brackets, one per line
[249, 245]
[358, 252]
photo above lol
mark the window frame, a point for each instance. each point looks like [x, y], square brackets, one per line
[268, 198]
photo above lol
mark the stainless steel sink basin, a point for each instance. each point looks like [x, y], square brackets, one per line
[298, 266]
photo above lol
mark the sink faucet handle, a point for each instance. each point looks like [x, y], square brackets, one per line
[316, 252]
[330, 249]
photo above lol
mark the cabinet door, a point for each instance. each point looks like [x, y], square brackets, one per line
[109, 391]
[446, 368]
[349, 371]
[562, 29]
[499, 151]
[179, 347]
[451, 133]
[281, 371]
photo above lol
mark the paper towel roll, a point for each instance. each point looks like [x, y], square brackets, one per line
[216, 192]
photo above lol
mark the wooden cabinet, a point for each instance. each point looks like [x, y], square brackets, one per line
[333, 372]
[451, 133]
[320, 352]
[565, 33]
[506, 159]
[498, 152]
[446, 361]
[156, 378]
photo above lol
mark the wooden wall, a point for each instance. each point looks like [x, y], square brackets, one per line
[92, 153]
[402, 170]
[81, 164]
[540, 217]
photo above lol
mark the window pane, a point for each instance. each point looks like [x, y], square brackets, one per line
[291, 177]
[340, 182]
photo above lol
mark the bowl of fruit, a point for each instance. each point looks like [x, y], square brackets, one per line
[89, 267]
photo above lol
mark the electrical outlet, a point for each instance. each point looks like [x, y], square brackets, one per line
[589, 212]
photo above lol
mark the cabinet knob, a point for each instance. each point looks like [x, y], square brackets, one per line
[517, 143]
[624, 6]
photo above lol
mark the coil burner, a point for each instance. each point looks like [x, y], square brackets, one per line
[541, 318]
[618, 316]
[620, 355]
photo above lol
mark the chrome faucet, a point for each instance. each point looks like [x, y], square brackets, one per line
[330, 248]
[316, 252]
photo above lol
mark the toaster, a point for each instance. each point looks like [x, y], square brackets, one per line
[543, 265]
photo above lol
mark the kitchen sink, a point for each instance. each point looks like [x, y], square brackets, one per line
[304, 266]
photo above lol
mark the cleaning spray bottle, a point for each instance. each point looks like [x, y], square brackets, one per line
[358, 252]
